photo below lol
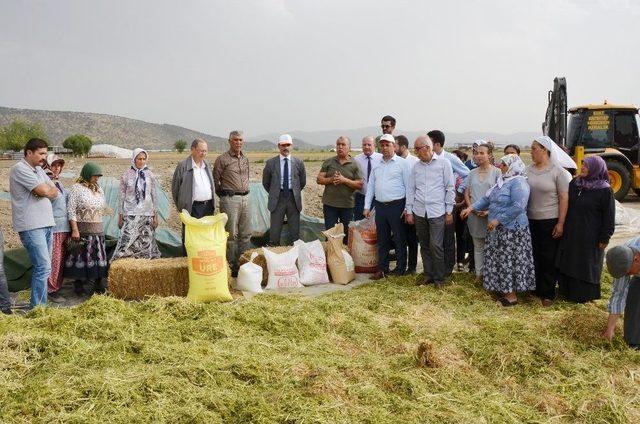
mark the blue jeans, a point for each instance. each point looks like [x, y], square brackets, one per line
[38, 244]
[5, 300]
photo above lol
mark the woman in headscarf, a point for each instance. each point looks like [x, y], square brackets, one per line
[138, 216]
[60, 231]
[86, 253]
[508, 261]
[588, 227]
[548, 202]
[480, 179]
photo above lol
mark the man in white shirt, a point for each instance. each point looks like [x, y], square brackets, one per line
[367, 161]
[402, 150]
[430, 200]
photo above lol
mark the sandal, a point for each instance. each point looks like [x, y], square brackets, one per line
[506, 303]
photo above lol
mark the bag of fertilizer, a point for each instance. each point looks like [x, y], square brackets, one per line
[340, 262]
[282, 269]
[363, 244]
[206, 241]
[250, 276]
[312, 263]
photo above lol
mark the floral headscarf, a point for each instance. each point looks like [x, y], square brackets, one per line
[516, 168]
[598, 176]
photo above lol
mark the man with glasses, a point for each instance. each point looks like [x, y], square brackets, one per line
[388, 125]
[430, 200]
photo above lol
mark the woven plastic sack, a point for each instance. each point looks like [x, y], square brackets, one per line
[363, 244]
[250, 276]
[340, 262]
[283, 273]
[312, 263]
[206, 241]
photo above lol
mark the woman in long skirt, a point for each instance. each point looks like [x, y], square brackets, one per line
[87, 260]
[589, 226]
[60, 231]
[138, 216]
[508, 261]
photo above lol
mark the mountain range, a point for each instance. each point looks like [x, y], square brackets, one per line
[126, 132]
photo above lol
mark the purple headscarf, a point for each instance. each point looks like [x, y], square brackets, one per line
[598, 176]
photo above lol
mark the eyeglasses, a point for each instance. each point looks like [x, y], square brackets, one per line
[417, 149]
[386, 126]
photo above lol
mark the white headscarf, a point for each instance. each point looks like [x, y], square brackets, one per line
[558, 155]
[516, 168]
[141, 180]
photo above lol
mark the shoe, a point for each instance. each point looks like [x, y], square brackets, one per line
[98, 287]
[439, 285]
[506, 302]
[410, 271]
[378, 276]
[7, 311]
[78, 288]
[397, 273]
[56, 297]
[547, 302]
[425, 282]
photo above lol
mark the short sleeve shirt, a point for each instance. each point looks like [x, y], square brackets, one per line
[29, 211]
[545, 186]
[340, 196]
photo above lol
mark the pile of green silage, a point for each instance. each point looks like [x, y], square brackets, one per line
[344, 357]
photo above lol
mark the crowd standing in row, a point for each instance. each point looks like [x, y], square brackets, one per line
[528, 228]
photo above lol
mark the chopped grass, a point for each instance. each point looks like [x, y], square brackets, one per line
[385, 352]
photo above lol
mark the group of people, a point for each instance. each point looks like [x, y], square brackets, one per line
[526, 228]
[62, 229]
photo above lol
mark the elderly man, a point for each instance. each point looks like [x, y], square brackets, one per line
[430, 201]
[231, 181]
[402, 150]
[367, 161]
[388, 184]
[341, 177]
[623, 263]
[459, 170]
[32, 215]
[283, 178]
[192, 186]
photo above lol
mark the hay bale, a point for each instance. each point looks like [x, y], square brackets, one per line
[136, 279]
[260, 259]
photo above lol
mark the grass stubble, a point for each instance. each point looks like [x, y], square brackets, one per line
[385, 352]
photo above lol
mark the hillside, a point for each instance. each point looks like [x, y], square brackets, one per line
[121, 131]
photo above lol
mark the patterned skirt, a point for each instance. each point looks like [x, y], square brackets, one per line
[137, 239]
[58, 250]
[508, 261]
[91, 263]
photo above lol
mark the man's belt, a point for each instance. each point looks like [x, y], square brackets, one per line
[230, 193]
[393, 202]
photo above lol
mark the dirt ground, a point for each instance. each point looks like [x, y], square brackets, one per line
[163, 165]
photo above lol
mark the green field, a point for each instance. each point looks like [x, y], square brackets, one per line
[343, 357]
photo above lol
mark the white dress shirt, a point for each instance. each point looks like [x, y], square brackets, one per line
[363, 161]
[201, 183]
[389, 181]
[412, 160]
[282, 158]
[431, 190]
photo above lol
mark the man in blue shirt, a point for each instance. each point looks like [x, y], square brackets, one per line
[430, 200]
[623, 263]
[388, 184]
[459, 170]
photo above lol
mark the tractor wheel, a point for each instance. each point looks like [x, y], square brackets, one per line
[620, 179]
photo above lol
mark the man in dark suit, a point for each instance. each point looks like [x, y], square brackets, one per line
[284, 177]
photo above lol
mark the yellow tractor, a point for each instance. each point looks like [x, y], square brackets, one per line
[607, 130]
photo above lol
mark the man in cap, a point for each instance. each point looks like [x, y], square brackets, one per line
[623, 263]
[388, 184]
[341, 177]
[367, 161]
[32, 215]
[284, 177]
[231, 180]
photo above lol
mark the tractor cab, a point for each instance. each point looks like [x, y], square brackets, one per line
[607, 130]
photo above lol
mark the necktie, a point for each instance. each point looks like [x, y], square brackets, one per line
[285, 177]
[58, 186]
[368, 167]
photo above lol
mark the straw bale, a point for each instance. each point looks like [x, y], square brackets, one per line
[136, 279]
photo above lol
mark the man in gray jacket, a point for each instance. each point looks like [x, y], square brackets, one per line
[284, 177]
